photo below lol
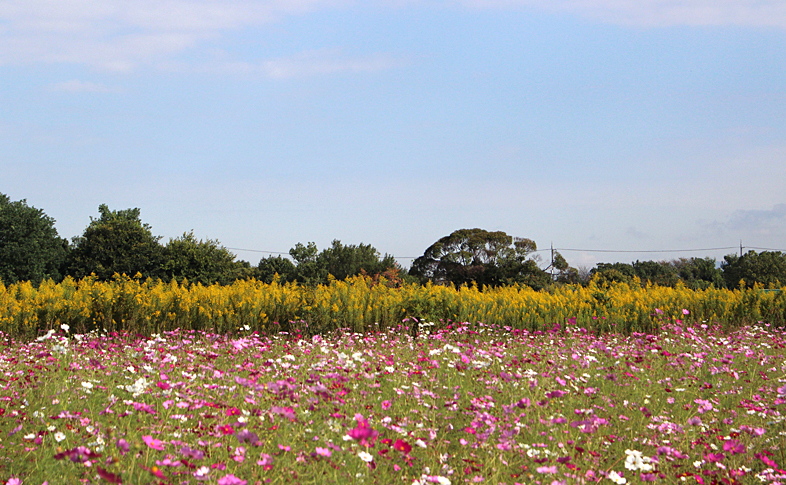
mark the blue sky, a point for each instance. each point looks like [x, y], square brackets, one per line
[589, 124]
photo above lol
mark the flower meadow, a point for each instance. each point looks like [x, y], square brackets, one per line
[455, 403]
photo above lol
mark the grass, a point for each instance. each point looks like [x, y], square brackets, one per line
[463, 404]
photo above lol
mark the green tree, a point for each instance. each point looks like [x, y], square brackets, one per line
[480, 256]
[206, 262]
[309, 271]
[608, 273]
[116, 242]
[30, 248]
[345, 261]
[271, 266]
[659, 273]
[768, 268]
[313, 267]
[699, 273]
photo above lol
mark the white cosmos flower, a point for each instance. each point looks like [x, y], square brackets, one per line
[365, 456]
[616, 478]
[59, 436]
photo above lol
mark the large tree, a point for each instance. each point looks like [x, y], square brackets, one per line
[203, 261]
[30, 248]
[269, 267]
[309, 271]
[699, 273]
[340, 261]
[116, 242]
[344, 261]
[768, 268]
[480, 256]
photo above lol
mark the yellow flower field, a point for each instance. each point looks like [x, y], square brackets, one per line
[359, 305]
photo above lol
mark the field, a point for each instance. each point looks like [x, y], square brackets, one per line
[363, 305]
[449, 404]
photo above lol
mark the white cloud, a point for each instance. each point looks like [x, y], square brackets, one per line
[658, 13]
[305, 64]
[326, 62]
[760, 221]
[77, 86]
[122, 34]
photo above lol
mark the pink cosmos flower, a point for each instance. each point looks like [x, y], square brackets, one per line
[734, 447]
[363, 433]
[265, 461]
[704, 405]
[402, 446]
[153, 443]
[385, 405]
[547, 469]
[324, 452]
[714, 457]
[14, 481]
[231, 480]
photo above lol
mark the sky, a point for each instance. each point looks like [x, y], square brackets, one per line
[589, 125]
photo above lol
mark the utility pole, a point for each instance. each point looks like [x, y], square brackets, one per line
[552, 260]
[740, 247]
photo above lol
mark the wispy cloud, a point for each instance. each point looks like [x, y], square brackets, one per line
[768, 225]
[636, 234]
[77, 86]
[760, 221]
[327, 62]
[658, 13]
[304, 64]
[122, 34]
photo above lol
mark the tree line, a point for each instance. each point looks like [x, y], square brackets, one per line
[118, 242]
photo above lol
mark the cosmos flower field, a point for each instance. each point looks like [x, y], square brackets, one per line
[455, 403]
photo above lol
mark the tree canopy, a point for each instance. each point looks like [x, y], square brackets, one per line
[116, 242]
[30, 248]
[206, 262]
[480, 256]
[767, 268]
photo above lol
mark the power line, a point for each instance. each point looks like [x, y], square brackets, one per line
[644, 251]
[567, 249]
[287, 254]
[257, 251]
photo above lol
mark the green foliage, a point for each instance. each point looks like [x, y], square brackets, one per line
[695, 273]
[314, 267]
[201, 261]
[309, 271]
[30, 248]
[604, 274]
[767, 268]
[269, 267]
[344, 261]
[479, 256]
[656, 272]
[117, 242]
[699, 273]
